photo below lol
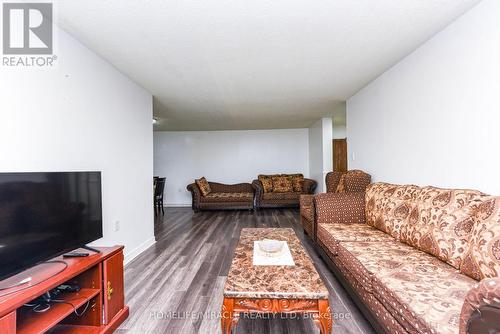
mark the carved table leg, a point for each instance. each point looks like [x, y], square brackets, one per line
[324, 318]
[228, 317]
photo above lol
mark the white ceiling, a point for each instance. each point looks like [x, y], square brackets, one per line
[253, 64]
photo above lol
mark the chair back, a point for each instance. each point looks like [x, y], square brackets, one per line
[353, 181]
[159, 186]
[356, 181]
[332, 180]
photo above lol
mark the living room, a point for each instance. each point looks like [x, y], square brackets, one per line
[172, 167]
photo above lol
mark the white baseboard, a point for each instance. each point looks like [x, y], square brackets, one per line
[172, 205]
[129, 256]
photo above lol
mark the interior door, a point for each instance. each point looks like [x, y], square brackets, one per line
[340, 155]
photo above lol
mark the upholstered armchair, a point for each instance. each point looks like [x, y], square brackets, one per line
[338, 186]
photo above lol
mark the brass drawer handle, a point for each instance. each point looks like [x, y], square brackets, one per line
[110, 290]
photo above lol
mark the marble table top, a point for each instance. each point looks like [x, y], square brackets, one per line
[245, 280]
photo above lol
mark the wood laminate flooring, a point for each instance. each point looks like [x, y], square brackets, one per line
[176, 285]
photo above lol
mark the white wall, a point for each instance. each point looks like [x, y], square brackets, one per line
[434, 117]
[84, 115]
[226, 157]
[339, 131]
[320, 151]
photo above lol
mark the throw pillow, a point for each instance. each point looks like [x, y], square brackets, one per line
[341, 185]
[267, 183]
[204, 186]
[297, 182]
[282, 184]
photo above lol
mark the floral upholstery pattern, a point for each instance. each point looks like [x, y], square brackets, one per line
[482, 257]
[421, 291]
[281, 196]
[388, 206]
[350, 232]
[428, 294]
[204, 186]
[278, 197]
[297, 182]
[421, 275]
[383, 315]
[341, 186]
[442, 222]
[282, 184]
[267, 182]
[223, 197]
[364, 259]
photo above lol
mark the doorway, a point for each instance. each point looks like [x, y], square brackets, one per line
[339, 148]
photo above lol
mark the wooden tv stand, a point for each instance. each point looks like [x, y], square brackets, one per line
[100, 277]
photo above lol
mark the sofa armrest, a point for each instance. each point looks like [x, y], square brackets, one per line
[196, 194]
[259, 190]
[309, 186]
[340, 208]
[231, 188]
[307, 207]
[481, 309]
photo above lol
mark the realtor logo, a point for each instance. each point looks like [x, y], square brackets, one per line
[27, 28]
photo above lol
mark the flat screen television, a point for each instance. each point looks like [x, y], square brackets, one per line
[43, 215]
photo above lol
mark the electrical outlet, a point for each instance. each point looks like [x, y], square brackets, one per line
[117, 226]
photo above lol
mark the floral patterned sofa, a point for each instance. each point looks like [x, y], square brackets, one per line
[281, 190]
[419, 259]
[221, 196]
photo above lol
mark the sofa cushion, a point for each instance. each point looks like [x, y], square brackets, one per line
[267, 183]
[364, 259]
[297, 182]
[228, 197]
[442, 223]
[203, 185]
[352, 232]
[388, 206]
[424, 293]
[281, 196]
[282, 184]
[482, 257]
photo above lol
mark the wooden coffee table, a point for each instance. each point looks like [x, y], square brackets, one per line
[253, 289]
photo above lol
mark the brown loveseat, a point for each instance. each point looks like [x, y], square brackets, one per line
[353, 182]
[272, 197]
[222, 196]
[420, 259]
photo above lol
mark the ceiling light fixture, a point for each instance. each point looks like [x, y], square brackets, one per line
[155, 121]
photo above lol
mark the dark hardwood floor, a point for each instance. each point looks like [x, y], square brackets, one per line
[176, 285]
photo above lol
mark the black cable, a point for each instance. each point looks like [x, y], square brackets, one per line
[30, 286]
[74, 307]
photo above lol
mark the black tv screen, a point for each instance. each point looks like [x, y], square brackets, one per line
[43, 215]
